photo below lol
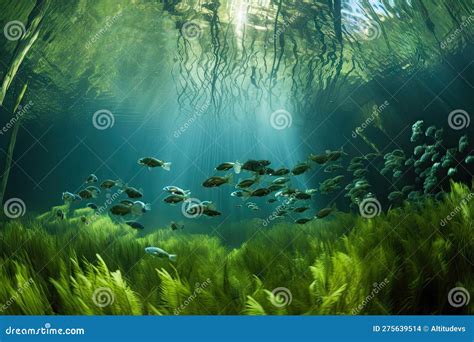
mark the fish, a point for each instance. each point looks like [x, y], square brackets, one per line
[302, 196]
[259, 192]
[161, 253]
[430, 131]
[84, 220]
[370, 156]
[243, 184]
[324, 212]
[92, 179]
[419, 150]
[395, 196]
[216, 181]
[335, 155]
[311, 191]
[85, 194]
[333, 168]
[255, 165]
[355, 166]
[69, 197]
[319, 158]
[281, 172]
[176, 190]
[269, 171]
[139, 208]
[121, 209]
[151, 162]
[135, 225]
[230, 165]
[463, 143]
[397, 174]
[132, 192]
[360, 173]
[469, 159]
[452, 171]
[208, 211]
[300, 209]
[60, 214]
[173, 198]
[275, 187]
[280, 180]
[237, 194]
[127, 202]
[92, 206]
[300, 168]
[109, 183]
[95, 191]
[302, 220]
[417, 131]
[176, 226]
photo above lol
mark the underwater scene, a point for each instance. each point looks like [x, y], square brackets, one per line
[237, 157]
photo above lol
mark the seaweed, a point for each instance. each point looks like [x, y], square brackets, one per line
[403, 262]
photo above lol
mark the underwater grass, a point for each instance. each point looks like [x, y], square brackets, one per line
[405, 261]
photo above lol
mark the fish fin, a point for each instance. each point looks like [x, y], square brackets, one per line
[230, 178]
[246, 194]
[237, 167]
[149, 168]
[172, 257]
[147, 207]
[166, 166]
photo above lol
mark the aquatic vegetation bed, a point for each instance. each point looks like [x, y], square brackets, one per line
[403, 262]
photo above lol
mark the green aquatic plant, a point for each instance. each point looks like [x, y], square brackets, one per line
[405, 261]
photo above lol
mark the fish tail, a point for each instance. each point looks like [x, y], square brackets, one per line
[172, 257]
[147, 207]
[166, 166]
[230, 178]
[237, 167]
